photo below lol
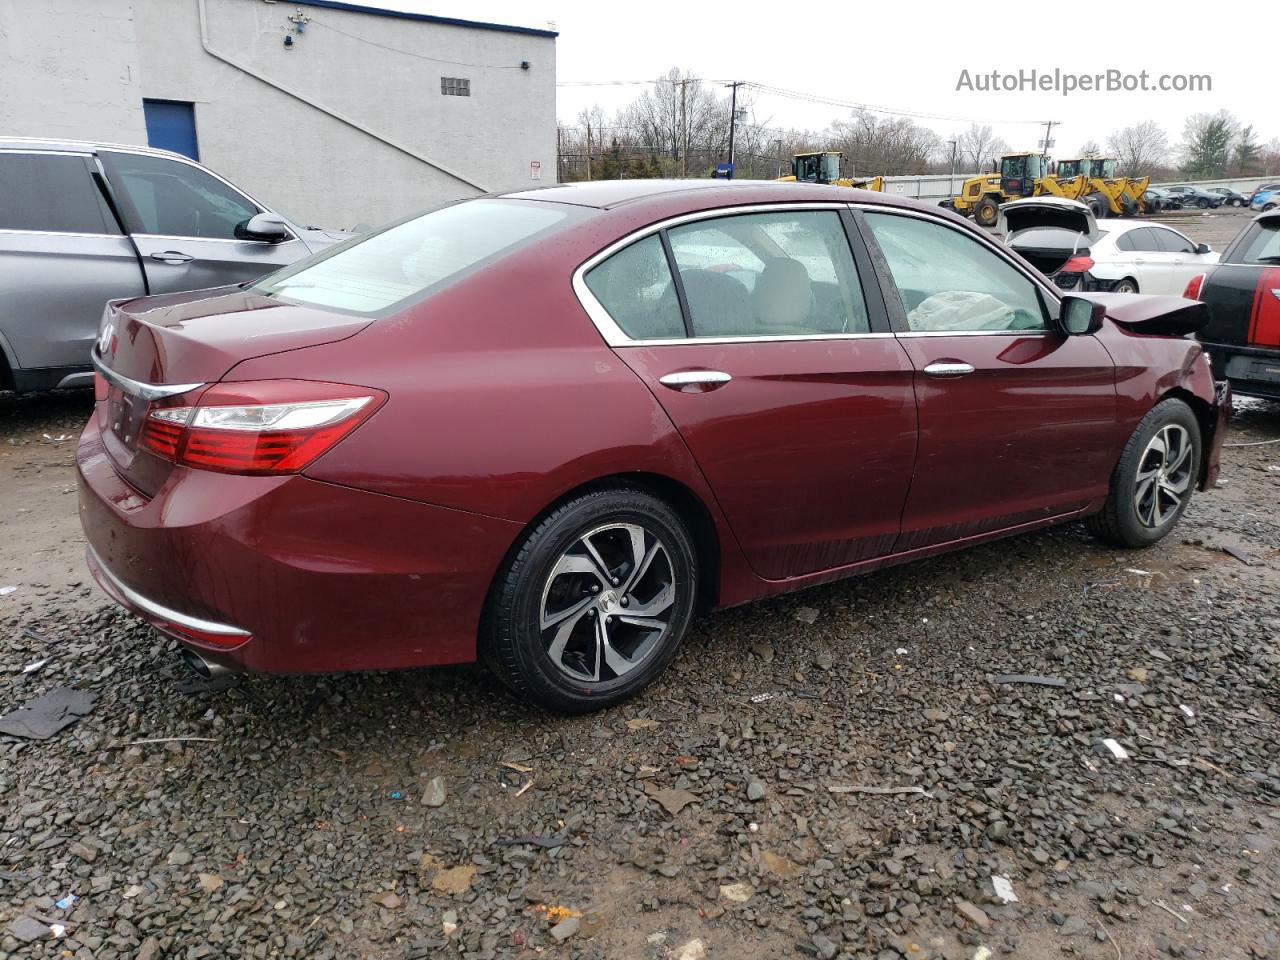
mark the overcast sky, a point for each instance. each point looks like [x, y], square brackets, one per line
[910, 67]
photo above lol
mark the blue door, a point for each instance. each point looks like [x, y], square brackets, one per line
[171, 125]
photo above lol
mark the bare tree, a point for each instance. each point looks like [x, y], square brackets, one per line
[1091, 149]
[978, 146]
[1139, 149]
[883, 145]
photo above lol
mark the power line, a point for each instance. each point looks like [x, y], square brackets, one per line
[409, 53]
[873, 108]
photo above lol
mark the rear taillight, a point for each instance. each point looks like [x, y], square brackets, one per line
[260, 427]
[1077, 265]
[1193, 287]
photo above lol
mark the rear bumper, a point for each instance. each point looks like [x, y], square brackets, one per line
[306, 576]
[1252, 371]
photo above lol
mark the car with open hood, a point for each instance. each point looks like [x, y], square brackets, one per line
[1064, 241]
[1243, 295]
[546, 429]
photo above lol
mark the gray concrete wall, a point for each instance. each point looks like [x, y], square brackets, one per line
[69, 68]
[346, 127]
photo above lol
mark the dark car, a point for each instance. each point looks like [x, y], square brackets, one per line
[81, 223]
[1243, 294]
[1157, 200]
[1195, 197]
[1230, 198]
[545, 429]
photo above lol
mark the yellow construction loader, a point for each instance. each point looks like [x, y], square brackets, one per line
[824, 167]
[1097, 185]
[1018, 175]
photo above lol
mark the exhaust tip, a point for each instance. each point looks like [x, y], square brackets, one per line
[206, 669]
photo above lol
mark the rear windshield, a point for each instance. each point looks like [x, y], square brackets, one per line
[1048, 238]
[1260, 243]
[414, 257]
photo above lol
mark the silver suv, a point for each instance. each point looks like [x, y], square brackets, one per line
[83, 223]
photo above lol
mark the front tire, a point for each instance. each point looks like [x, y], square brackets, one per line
[987, 212]
[595, 602]
[1154, 480]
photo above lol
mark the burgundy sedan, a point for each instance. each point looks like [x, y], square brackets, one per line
[545, 429]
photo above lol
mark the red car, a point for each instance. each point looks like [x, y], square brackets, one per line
[545, 429]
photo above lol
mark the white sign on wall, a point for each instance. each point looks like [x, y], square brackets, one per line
[535, 170]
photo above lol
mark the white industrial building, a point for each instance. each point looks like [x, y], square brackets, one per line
[333, 113]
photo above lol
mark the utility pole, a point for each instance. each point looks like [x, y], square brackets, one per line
[733, 119]
[684, 127]
[951, 179]
[588, 149]
[1048, 139]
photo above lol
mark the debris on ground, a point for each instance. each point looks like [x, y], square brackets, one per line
[807, 615]
[879, 791]
[41, 718]
[1029, 678]
[1003, 889]
[1248, 559]
[1117, 751]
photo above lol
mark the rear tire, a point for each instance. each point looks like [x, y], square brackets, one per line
[1202, 203]
[1154, 480]
[594, 604]
[1127, 285]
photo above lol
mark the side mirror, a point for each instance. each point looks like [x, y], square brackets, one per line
[263, 227]
[1079, 316]
[1203, 248]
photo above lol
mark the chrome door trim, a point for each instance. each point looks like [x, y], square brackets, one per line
[161, 612]
[148, 391]
[615, 336]
[686, 378]
[62, 233]
[167, 236]
[939, 369]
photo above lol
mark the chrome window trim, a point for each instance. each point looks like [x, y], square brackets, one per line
[47, 153]
[64, 233]
[164, 613]
[615, 336]
[148, 391]
[169, 236]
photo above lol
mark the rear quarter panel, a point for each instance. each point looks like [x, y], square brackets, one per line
[503, 397]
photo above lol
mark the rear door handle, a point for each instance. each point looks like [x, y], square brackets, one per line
[172, 256]
[948, 368]
[695, 381]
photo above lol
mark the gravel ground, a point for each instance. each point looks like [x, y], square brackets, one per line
[736, 809]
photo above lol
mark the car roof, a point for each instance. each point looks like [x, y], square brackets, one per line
[43, 144]
[609, 194]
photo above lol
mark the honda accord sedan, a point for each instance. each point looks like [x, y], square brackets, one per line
[546, 429]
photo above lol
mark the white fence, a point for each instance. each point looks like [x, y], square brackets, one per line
[940, 186]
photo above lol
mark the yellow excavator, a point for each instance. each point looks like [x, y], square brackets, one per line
[1017, 175]
[1098, 186]
[824, 167]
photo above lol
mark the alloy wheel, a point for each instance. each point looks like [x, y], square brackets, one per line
[1164, 476]
[607, 603]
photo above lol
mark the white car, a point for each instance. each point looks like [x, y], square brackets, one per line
[1064, 241]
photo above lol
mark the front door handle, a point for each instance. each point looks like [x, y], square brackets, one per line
[695, 381]
[172, 256]
[948, 368]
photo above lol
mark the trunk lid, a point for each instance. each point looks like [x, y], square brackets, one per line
[165, 350]
[1047, 212]
[1048, 248]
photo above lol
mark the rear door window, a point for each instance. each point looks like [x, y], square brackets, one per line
[51, 193]
[1260, 244]
[635, 288]
[769, 275]
[1143, 240]
[1170, 242]
[169, 198]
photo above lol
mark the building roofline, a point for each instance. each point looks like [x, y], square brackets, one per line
[427, 17]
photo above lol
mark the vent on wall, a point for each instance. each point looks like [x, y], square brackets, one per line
[455, 86]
